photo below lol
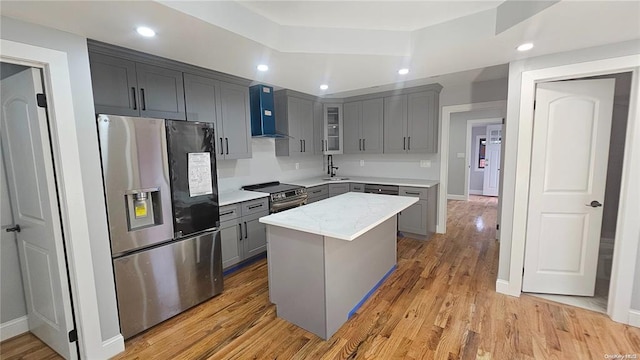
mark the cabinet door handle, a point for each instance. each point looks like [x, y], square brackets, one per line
[240, 226]
[360, 144]
[221, 147]
[364, 145]
[255, 206]
[300, 145]
[135, 103]
[409, 143]
[404, 143]
[142, 99]
[304, 145]
[227, 140]
[246, 230]
[411, 193]
[226, 213]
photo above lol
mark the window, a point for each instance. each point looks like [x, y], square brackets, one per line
[480, 146]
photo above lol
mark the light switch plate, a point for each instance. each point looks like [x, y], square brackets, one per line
[361, 162]
[425, 163]
[460, 155]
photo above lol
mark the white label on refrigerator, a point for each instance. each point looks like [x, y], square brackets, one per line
[200, 174]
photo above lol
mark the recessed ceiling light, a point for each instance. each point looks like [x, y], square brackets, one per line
[403, 71]
[525, 47]
[145, 31]
[324, 87]
[263, 67]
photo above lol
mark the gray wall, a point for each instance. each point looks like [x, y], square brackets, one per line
[82, 97]
[511, 129]
[12, 303]
[476, 177]
[458, 144]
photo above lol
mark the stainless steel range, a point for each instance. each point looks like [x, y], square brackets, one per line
[282, 196]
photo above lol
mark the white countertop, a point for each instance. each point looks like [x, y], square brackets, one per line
[345, 216]
[235, 196]
[366, 180]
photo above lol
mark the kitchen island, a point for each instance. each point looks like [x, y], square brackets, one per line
[326, 258]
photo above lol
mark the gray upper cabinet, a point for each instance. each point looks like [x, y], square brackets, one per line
[411, 123]
[363, 126]
[225, 105]
[319, 144]
[395, 124]
[129, 88]
[161, 92]
[295, 120]
[115, 88]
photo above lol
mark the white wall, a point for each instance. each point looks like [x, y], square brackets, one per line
[82, 97]
[264, 166]
[476, 177]
[516, 69]
[12, 302]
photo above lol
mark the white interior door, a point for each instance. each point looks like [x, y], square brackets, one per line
[32, 190]
[572, 125]
[491, 183]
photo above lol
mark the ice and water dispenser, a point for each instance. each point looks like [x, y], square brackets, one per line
[143, 208]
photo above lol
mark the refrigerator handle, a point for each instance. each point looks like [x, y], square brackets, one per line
[227, 140]
[240, 226]
[246, 231]
[221, 147]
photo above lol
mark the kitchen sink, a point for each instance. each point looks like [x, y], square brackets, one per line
[335, 178]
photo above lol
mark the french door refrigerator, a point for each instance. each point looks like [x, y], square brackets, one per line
[162, 206]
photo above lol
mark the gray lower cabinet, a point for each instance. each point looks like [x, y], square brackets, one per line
[363, 126]
[411, 123]
[337, 189]
[225, 105]
[317, 193]
[419, 220]
[244, 236]
[354, 187]
[129, 88]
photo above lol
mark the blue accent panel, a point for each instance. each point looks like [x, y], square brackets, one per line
[375, 287]
[244, 264]
[263, 120]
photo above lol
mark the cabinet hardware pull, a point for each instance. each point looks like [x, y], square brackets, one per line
[364, 145]
[226, 213]
[240, 225]
[144, 102]
[304, 145]
[255, 206]
[409, 143]
[411, 193]
[135, 103]
[300, 145]
[316, 191]
[326, 145]
[221, 147]
[246, 230]
[227, 140]
[404, 143]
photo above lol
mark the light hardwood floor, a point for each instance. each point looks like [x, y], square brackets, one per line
[439, 304]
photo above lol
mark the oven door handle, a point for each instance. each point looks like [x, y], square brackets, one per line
[299, 200]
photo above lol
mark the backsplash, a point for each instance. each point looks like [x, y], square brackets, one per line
[264, 166]
[389, 165]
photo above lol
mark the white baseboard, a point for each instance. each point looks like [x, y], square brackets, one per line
[112, 347]
[475, 192]
[502, 286]
[634, 318]
[13, 328]
[456, 197]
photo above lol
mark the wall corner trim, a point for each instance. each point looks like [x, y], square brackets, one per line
[113, 346]
[502, 287]
[13, 328]
[634, 318]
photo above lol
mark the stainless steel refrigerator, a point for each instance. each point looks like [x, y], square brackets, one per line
[162, 206]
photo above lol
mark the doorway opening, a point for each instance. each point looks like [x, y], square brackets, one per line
[604, 243]
[35, 294]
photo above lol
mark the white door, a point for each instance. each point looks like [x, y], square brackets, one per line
[572, 124]
[491, 183]
[32, 190]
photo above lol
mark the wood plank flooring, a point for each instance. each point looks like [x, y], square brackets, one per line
[439, 304]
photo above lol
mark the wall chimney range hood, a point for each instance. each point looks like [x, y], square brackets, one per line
[263, 120]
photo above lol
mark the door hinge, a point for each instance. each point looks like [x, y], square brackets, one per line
[497, 226]
[42, 100]
[73, 335]
[522, 271]
[534, 104]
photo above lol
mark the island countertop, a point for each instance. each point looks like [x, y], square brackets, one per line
[344, 217]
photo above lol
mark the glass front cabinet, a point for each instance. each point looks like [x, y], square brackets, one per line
[333, 129]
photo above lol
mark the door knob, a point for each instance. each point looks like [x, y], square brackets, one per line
[13, 229]
[594, 203]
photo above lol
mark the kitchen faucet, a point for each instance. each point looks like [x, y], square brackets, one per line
[330, 168]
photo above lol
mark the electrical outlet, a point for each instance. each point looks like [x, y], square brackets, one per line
[297, 166]
[425, 163]
[361, 162]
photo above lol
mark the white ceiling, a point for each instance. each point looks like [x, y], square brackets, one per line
[234, 37]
